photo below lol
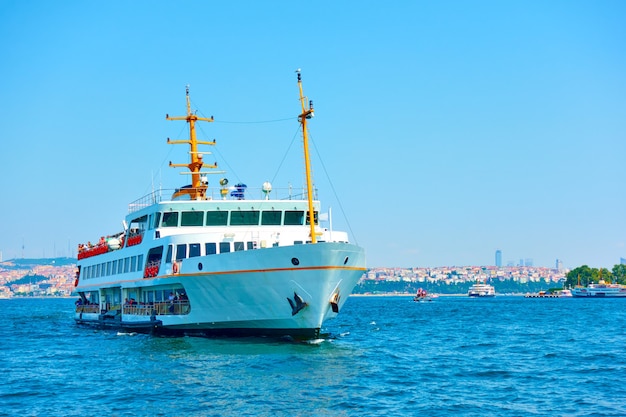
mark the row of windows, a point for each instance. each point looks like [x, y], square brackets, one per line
[192, 250]
[234, 218]
[118, 266]
[183, 251]
[177, 252]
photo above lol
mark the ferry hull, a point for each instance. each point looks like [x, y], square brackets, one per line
[274, 291]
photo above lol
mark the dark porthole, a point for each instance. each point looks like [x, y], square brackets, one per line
[199, 266]
[295, 261]
[345, 261]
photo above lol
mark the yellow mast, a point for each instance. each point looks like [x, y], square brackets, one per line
[198, 188]
[307, 113]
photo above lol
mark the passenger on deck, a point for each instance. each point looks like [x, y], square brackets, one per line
[171, 299]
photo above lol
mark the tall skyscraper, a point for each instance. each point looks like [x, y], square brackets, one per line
[559, 265]
[498, 258]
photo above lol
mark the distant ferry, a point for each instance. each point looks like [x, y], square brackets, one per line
[216, 261]
[481, 289]
[600, 290]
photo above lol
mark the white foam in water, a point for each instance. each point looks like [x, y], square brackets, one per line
[126, 334]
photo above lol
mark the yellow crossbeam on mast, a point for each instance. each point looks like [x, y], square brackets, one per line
[198, 188]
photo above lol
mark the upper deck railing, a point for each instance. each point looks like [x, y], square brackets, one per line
[216, 193]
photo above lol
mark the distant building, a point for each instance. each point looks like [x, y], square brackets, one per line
[622, 261]
[528, 262]
[559, 265]
[498, 258]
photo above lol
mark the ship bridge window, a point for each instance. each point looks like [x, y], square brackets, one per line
[244, 218]
[181, 252]
[157, 219]
[216, 218]
[210, 248]
[294, 217]
[315, 217]
[170, 219]
[191, 218]
[271, 218]
[194, 250]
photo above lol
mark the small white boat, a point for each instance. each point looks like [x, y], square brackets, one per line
[554, 294]
[481, 289]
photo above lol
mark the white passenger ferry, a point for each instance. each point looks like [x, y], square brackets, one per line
[481, 289]
[600, 290]
[220, 260]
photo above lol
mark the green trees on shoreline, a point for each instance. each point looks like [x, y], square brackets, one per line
[584, 275]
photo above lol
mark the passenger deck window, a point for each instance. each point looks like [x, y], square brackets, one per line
[238, 246]
[194, 250]
[181, 252]
[170, 219]
[224, 247]
[216, 218]
[294, 218]
[271, 218]
[191, 218]
[168, 256]
[210, 248]
[244, 218]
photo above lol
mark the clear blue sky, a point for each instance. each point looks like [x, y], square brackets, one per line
[447, 129]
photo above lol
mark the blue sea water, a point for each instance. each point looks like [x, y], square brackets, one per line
[455, 356]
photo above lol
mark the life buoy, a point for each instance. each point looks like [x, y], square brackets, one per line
[175, 267]
[76, 282]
